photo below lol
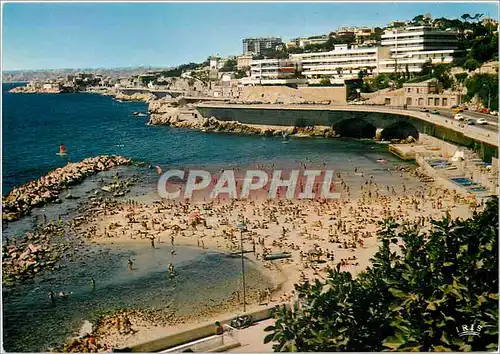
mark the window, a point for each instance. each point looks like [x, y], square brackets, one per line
[417, 90]
[445, 101]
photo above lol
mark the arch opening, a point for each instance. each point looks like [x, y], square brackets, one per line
[355, 128]
[399, 130]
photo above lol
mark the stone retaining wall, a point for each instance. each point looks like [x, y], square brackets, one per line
[199, 332]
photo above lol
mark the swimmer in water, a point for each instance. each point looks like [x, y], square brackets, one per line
[130, 264]
[52, 297]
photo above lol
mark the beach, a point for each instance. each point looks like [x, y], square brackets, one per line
[318, 234]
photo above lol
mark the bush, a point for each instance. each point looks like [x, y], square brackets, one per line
[412, 299]
[471, 64]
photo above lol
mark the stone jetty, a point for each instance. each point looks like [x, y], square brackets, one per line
[20, 201]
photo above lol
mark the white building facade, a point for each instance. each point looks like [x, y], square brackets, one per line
[411, 47]
[342, 63]
[272, 72]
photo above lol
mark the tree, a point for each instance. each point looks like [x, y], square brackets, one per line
[465, 17]
[485, 87]
[325, 81]
[418, 20]
[460, 77]
[420, 287]
[230, 65]
[471, 64]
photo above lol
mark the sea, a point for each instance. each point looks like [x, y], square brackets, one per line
[33, 126]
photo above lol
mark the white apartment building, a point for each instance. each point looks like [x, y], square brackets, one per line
[272, 72]
[302, 42]
[411, 47]
[342, 63]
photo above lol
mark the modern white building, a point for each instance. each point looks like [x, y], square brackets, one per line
[272, 72]
[342, 63]
[302, 42]
[411, 47]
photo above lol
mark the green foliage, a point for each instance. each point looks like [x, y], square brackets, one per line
[180, 69]
[241, 73]
[461, 77]
[471, 64]
[230, 65]
[270, 53]
[483, 85]
[419, 289]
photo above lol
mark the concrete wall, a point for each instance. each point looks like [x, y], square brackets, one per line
[446, 149]
[202, 331]
[396, 97]
[271, 94]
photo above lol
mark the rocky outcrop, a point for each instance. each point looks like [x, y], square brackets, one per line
[35, 253]
[21, 200]
[146, 97]
[29, 89]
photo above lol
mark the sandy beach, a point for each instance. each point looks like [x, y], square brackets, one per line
[317, 234]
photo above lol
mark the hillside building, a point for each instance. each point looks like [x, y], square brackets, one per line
[255, 46]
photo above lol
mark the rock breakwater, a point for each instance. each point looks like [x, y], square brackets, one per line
[20, 201]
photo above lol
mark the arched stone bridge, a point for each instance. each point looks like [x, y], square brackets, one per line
[359, 121]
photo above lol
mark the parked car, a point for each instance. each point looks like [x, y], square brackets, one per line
[434, 111]
[484, 110]
[470, 121]
[481, 121]
[494, 113]
[455, 106]
[425, 110]
[459, 117]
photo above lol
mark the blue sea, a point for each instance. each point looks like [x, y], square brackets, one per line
[88, 125]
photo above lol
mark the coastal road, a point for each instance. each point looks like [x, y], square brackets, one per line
[492, 125]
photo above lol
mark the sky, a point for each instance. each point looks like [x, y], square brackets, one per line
[109, 35]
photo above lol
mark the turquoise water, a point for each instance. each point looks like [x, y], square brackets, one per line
[89, 125]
